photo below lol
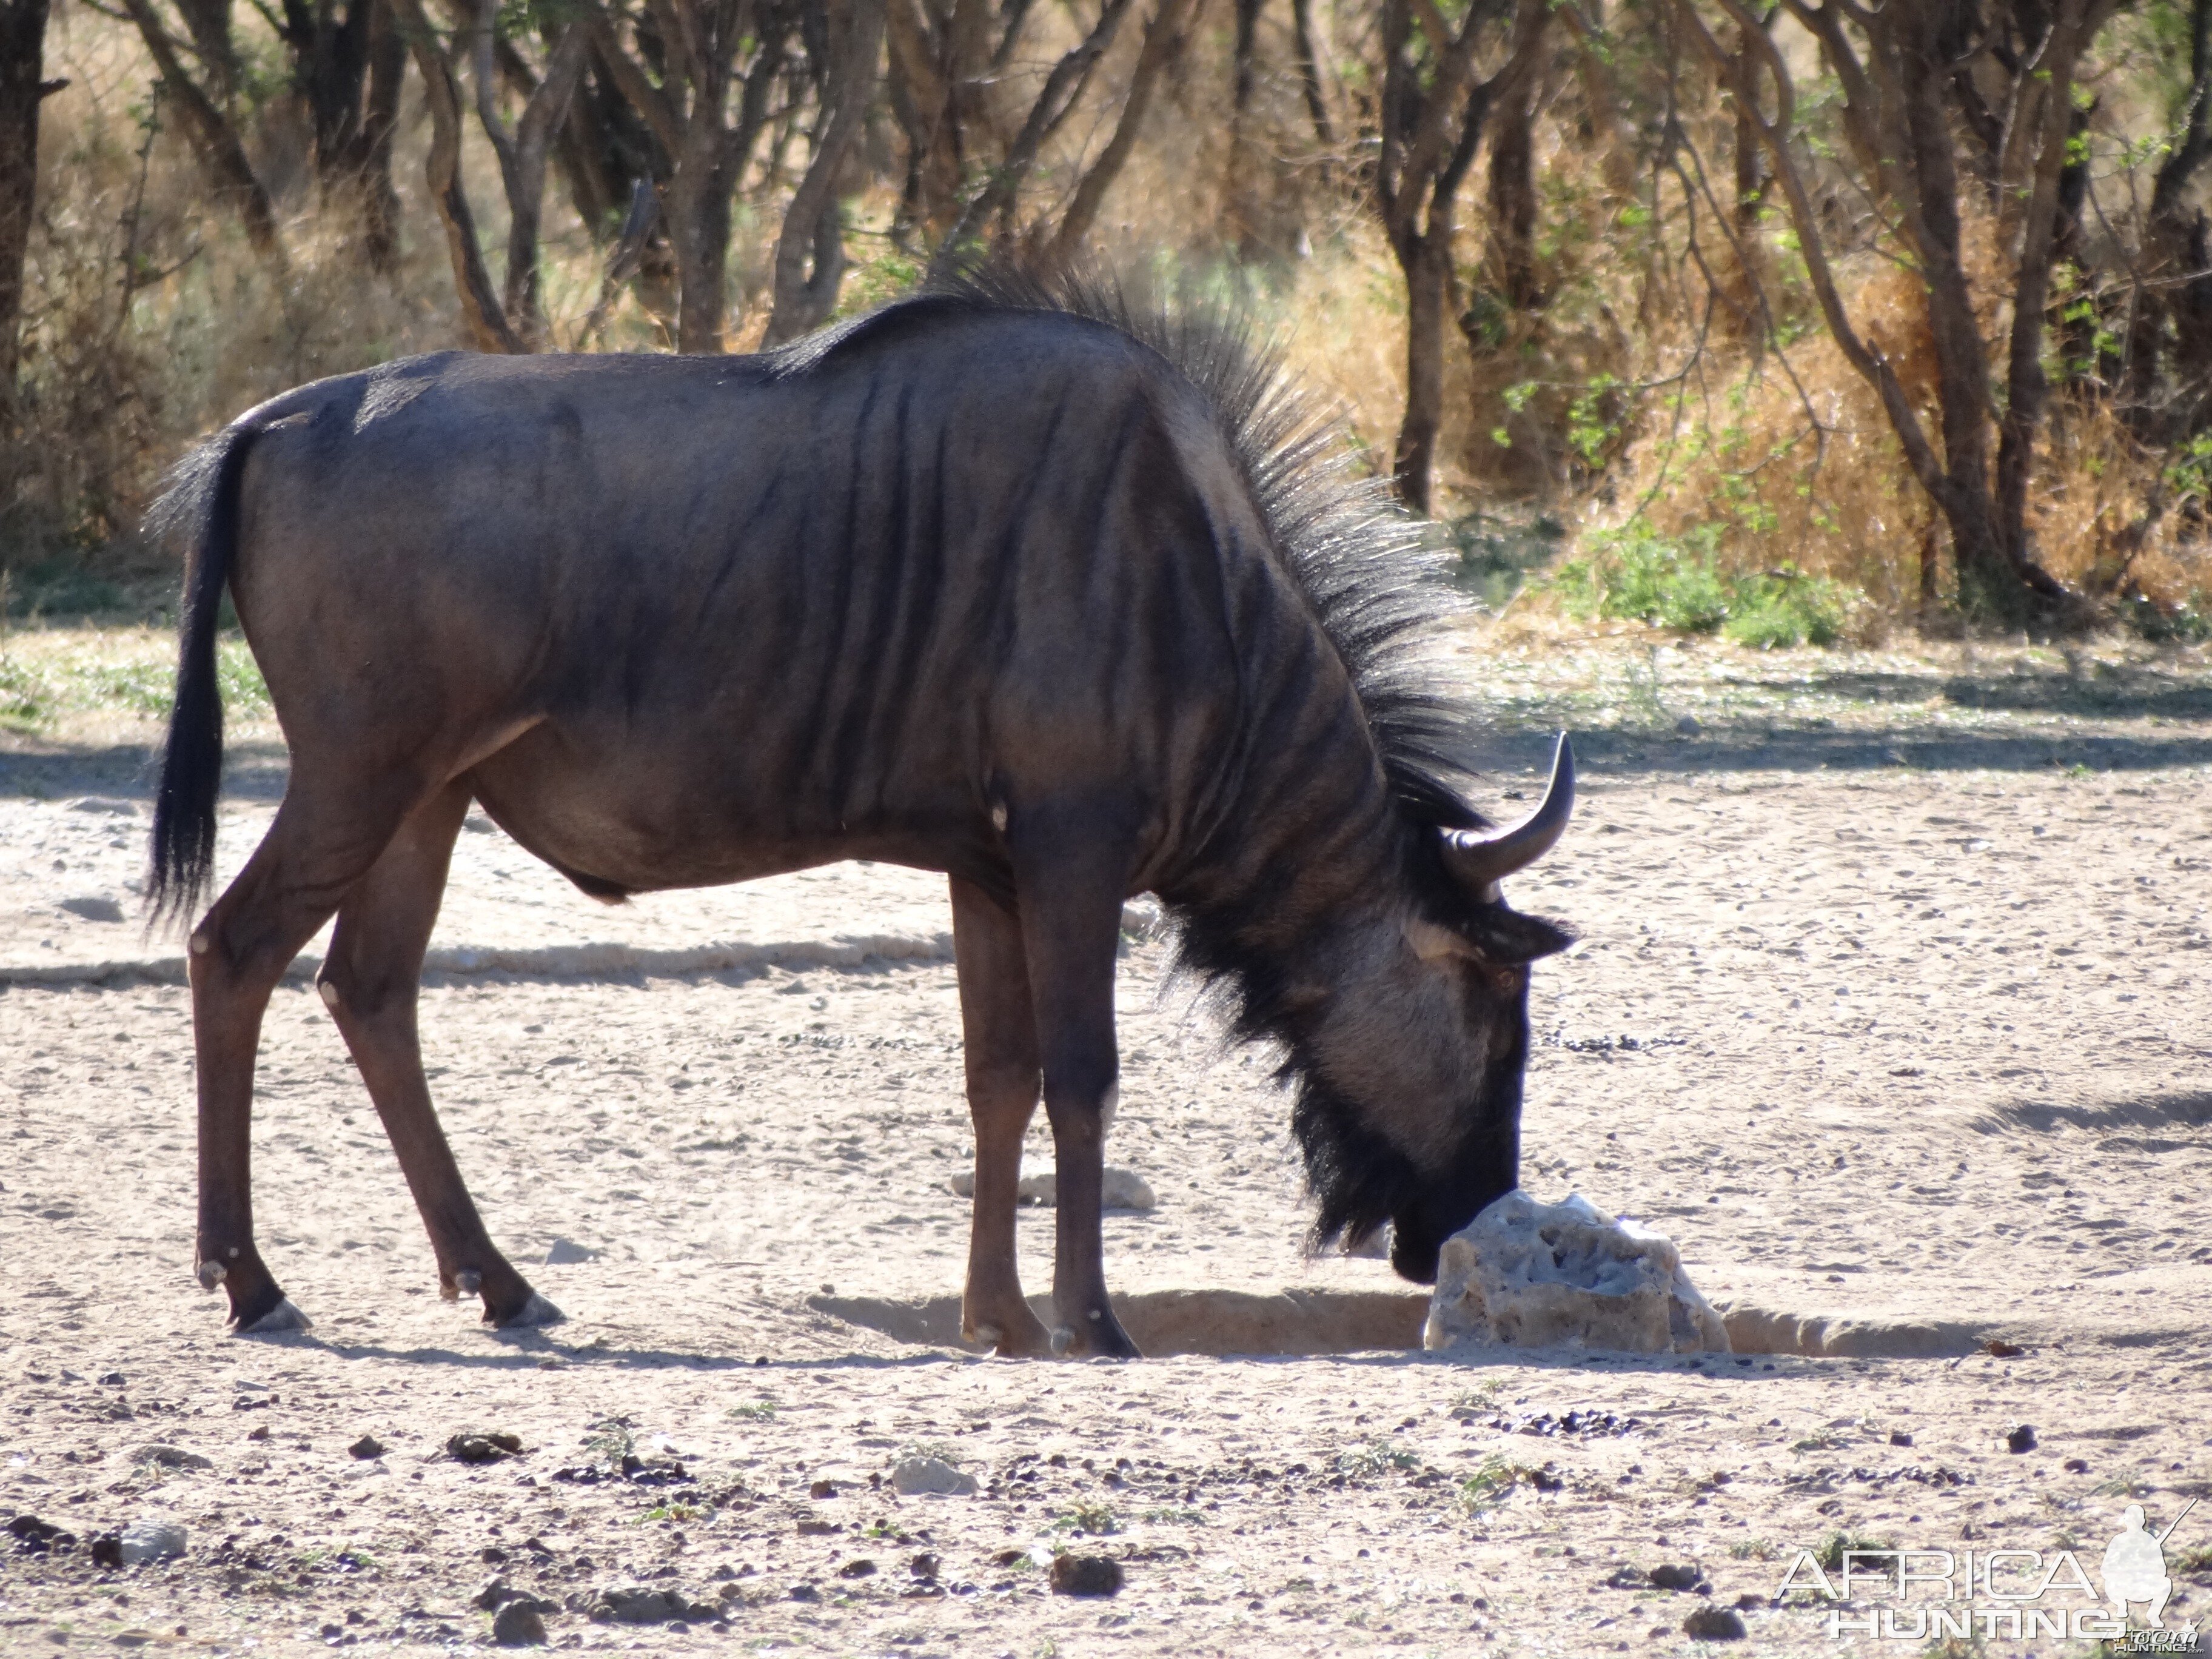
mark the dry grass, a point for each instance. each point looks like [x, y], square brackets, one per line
[1613, 403]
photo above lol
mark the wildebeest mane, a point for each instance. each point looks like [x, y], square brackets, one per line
[1358, 563]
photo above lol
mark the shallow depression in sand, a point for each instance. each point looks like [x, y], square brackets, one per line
[1313, 1321]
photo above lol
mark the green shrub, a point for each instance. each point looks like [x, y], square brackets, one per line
[1633, 576]
[1780, 608]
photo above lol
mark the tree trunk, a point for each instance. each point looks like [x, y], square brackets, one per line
[380, 202]
[2176, 285]
[804, 298]
[698, 208]
[208, 21]
[1062, 88]
[22, 59]
[482, 316]
[1513, 196]
[1427, 265]
[941, 60]
[1301, 42]
[209, 131]
[2027, 388]
[1164, 38]
[522, 155]
[1237, 184]
[330, 54]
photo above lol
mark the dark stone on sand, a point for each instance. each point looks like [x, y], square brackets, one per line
[645, 1606]
[863, 1568]
[366, 1447]
[2021, 1439]
[487, 1446]
[822, 1488]
[1676, 1576]
[1085, 1575]
[1712, 1623]
[923, 1565]
[519, 1625]
[108, 1550]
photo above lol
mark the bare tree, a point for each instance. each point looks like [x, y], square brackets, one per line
[1055, 101]
[719, 61]
[209, 131]
[522, 154]
[1163, 40]
[1432, 112]
[2177, 258]
[943, 55]
[1898, 117]
[810, 255]
[22, 60]
[482, 316]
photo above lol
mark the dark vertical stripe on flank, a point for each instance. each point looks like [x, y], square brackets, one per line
[1113, 632]
[888, 622]
[913, 684]
[838, 743]
[999, 592]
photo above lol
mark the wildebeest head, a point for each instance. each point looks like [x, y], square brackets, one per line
[1409, 1059]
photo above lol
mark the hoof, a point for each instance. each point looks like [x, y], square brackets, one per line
[281, 1317]
[468, 1282]
[536, 1312]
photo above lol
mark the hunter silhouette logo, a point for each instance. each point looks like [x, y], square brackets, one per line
[2135, 1564]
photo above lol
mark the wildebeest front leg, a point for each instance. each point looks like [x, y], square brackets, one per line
[370, 982]
[998, 1042]
[1070, 892]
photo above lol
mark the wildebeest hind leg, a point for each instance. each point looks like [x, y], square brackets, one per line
[370, 982]
[314, 852]
[1069, 885]
[999, 1040]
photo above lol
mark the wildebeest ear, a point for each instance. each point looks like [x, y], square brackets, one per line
[1493, 935]
[1510, 939]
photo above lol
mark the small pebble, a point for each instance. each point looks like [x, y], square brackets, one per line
[1676, 1576]
[2021, 1439]
[368, 1446]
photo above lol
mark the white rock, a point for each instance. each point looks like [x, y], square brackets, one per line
[566, 1253]
[1118, 1189]
[930, 1477]
[148, 1539]
[1529, 1275]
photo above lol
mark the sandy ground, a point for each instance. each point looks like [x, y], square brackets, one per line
[1893, 1008]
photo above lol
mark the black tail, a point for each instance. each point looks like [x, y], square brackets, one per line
[202, 501]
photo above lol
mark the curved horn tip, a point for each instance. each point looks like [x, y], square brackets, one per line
[1481, 861]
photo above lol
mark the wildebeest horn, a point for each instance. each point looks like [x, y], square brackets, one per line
[1482, 860]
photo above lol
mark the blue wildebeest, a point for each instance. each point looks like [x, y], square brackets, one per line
[1004, 581]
